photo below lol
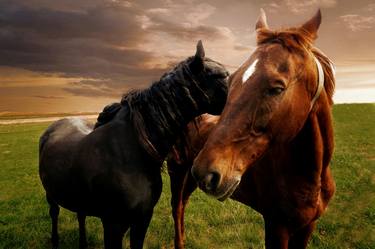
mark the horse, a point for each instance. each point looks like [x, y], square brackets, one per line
[271, 147]
[179, 162]
[113, 171]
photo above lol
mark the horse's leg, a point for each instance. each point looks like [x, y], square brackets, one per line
[82, 230]
[277, 235]
[138, 230]
[177, 175]
[189, 187]
[300, 238]
[54, 211]
[113, 233]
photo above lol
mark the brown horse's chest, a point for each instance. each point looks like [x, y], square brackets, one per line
[279, 192]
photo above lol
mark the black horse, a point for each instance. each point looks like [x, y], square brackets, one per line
[113, 171]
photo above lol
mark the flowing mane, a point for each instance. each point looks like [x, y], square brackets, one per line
[108, 113]
[157, 110]
[299, 41]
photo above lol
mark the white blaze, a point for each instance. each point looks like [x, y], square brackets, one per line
[249, 71]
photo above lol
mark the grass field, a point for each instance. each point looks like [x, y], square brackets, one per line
[348, 223]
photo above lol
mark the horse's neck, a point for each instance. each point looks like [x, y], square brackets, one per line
[196, 135]
[310, 152]
[167, 115]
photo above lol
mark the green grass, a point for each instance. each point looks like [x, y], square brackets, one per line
[348, 223]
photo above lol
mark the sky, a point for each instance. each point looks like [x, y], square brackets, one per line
[79, 55]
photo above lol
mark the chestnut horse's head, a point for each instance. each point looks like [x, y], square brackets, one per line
[269, 100]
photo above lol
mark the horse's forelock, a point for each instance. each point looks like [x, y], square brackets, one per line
[293, 39]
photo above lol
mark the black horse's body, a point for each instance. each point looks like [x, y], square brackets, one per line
[113, 171]
[82, 181]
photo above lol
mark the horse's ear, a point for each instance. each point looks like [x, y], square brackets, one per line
[197, 63]
[200, 50]
[262, 21]
[312, 25]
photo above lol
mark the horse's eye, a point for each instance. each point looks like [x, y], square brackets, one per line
[273, 91]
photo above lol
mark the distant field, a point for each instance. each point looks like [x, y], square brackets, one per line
[10, 115]
[348, 223]
[12, 119]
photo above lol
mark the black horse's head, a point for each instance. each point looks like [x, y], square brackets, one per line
[205, 79]
[195, 86]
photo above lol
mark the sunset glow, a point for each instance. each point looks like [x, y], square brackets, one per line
[77, 56]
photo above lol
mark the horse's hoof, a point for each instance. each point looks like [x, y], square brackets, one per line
[83, 245]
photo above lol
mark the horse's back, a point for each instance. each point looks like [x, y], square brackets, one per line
[62, 136]
[64, 130]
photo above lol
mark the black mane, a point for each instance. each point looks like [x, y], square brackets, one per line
[159, 109]
[108, 113]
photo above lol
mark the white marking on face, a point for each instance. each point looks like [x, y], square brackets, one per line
[249, 71]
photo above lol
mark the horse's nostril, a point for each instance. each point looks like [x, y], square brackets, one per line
[212, 181]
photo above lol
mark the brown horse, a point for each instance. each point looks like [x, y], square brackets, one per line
[179, 162]
[273, 143]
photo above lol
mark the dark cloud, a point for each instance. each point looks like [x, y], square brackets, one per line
[66, 5]
[73, 58]
[95, 42]
[101, 41]
[111, 23]
[111, 46]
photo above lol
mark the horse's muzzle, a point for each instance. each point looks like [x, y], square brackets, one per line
[213, 184]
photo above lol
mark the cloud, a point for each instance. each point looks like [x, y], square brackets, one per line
[82, 89]
[201, 12]
[188, 11]
[358, 23]
[188, 31]
[87, 41]
[370, 7]
[114, 87]
[100, 23]
[271, 7]
[189, 26]
[48, 97]
[176, 27]
[297, 6]
[111, 43]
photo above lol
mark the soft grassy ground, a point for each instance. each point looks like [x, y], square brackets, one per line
[348, 223]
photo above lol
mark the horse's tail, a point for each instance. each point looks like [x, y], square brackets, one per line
[108, 113]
